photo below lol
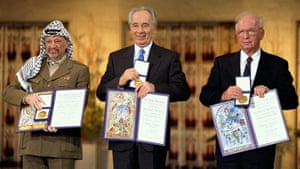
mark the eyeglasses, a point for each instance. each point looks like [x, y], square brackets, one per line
[250, 32]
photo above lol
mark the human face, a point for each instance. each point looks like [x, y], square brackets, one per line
[142, 28]
[249, 34]
[56, 47]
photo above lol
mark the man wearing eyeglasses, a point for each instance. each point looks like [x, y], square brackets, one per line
[267, 71]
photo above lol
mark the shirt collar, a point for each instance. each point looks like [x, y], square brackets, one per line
[255, 57]
[146, 49]
[50, 62]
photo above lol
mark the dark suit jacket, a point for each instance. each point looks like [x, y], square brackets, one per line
[272, 72]
[164, 72]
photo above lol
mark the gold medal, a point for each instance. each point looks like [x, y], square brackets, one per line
[42, 114]
[243, 99]
[137, 82]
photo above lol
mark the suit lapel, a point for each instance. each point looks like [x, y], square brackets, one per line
[235, 64]
[44, 72]
[262, 70]
[154, 60]
[128, 57]
[154, 54]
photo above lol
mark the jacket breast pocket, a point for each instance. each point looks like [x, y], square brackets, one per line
[64, 82]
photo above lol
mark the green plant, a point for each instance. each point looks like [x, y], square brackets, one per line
[92, 121]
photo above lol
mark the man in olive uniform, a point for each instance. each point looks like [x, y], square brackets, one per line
[52, 69]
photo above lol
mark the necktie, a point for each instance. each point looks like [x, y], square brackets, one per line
[141, 54]
[247, 71]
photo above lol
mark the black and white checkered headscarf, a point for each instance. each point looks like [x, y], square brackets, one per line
[33, 65]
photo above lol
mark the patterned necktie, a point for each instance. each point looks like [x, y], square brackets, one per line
[141, 54]
[247, 71]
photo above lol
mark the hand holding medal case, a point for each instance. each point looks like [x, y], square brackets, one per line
[142, 68]
[244, 83]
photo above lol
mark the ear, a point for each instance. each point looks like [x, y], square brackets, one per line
[154, 28]
[262, 34]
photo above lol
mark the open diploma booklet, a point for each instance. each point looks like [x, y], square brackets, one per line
[62, 109]
[240, 129]
[132, 119]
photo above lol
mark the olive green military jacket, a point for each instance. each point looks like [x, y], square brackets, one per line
[65, 143]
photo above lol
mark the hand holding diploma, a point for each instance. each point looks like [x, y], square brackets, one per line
[34, 100]
[260, 90]
[144, 88]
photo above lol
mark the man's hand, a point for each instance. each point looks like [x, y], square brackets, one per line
[144, 88]
[128, 74]
[50, 129]
[232, 92]
[260, 90]
[34, 101]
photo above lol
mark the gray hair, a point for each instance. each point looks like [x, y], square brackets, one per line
[257, 18]
[143, 8]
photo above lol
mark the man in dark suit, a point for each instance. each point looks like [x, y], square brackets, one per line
[267, 72]
[164, 76]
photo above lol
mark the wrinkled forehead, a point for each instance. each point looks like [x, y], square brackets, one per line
[248, 21]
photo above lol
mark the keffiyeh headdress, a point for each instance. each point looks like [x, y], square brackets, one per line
[33, 65]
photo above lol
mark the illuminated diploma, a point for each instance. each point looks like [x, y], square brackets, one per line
[128, 118]
[233, 128]
[239, 129]
[62, 109]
